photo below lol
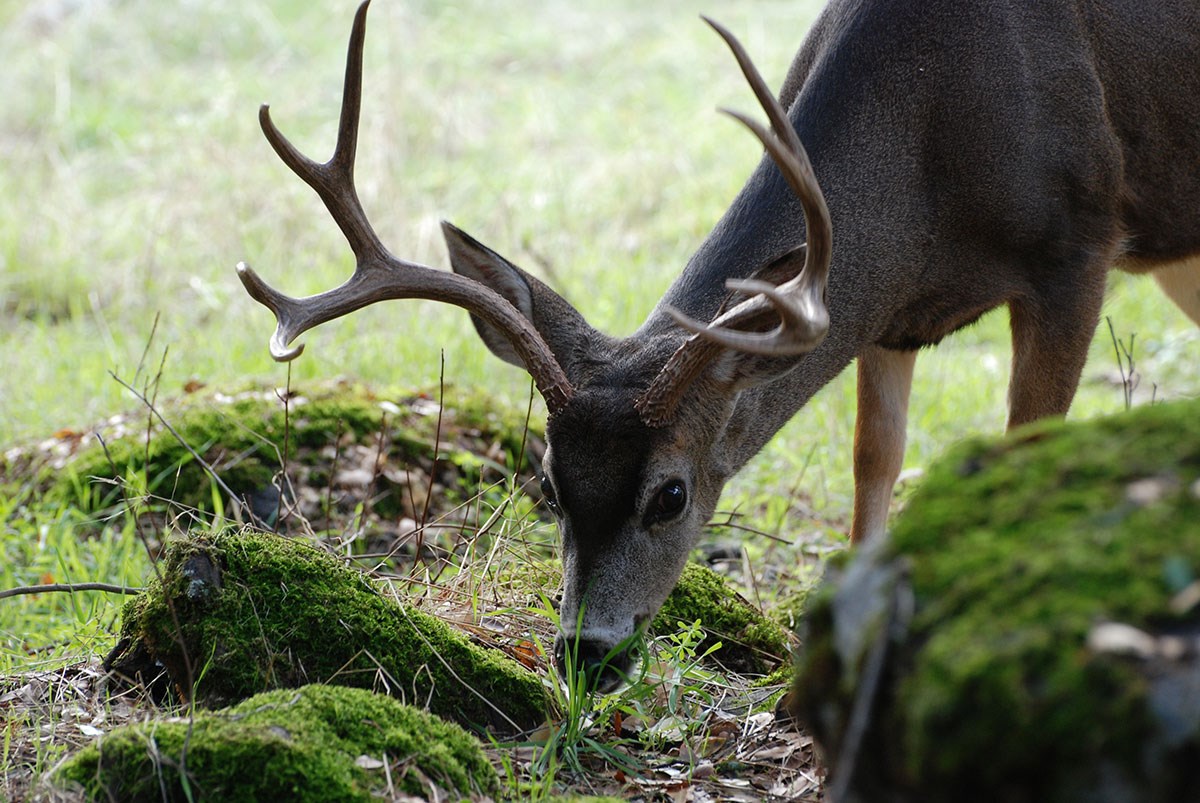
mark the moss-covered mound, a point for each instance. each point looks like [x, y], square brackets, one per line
[751, 644]
[238, 613]
[328, 434]
[1031, 621]
[316, 743]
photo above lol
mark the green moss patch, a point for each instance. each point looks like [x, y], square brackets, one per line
[316, 743]
[345, 445]
[238, 613]
[751, 644]
[996, 599]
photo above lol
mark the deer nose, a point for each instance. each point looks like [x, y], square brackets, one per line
[588, 656]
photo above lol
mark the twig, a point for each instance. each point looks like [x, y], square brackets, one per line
[1129, 379]
[333, 470]
[524, 435]
[437, 442]
[146, 350]
[381, 455]
[69, 588]
[729, 523]
[287, 440]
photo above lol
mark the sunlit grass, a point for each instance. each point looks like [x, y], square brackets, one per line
[45, 545]
[583, 144]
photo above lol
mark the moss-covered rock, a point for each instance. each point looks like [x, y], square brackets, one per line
[245, 437]
[751, 643]
[1029, 621]
[236, 613]
[316, 743]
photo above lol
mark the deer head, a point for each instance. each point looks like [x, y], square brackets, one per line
[639, 429]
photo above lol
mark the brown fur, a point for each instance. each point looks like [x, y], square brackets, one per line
[973, 154]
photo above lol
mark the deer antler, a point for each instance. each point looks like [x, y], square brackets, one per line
[378, 275]
[796, 305]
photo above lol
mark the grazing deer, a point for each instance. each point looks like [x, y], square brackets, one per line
[972, 155]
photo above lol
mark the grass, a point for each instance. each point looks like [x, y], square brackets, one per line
[581, 143]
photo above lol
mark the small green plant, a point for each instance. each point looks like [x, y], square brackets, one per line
[665, 700]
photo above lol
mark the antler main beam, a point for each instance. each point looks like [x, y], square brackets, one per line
[378, 275]
[796, 306]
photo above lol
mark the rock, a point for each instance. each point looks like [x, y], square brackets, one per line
[237, 613]
[1025, 633]
[315, 743]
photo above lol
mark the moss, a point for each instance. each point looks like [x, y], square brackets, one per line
[751, 643]
[1012, 552]
[258, 611]
[302, 745]
[244, 438]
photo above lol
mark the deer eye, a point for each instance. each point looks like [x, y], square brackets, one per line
[549, 495]
[668, 502]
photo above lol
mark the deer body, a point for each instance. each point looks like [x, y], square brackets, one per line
[970, 154]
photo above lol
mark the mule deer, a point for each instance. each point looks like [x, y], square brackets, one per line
[973, 154]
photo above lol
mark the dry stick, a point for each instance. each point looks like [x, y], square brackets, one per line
[69, 588]
[1129, 382]
[337, 458]
[437, 444]
[376, 471]
[745, 528]
[287, 439]
[146, 350]
[524, 432]
[138, 373]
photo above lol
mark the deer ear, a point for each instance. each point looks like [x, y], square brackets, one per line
[559, 323]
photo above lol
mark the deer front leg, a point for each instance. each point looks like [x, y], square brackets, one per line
[884, 381]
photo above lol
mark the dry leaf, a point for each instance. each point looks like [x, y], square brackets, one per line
[527, 653]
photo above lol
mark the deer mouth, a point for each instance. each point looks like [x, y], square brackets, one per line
[604, 668]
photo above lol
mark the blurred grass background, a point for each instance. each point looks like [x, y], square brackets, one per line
[580, 142]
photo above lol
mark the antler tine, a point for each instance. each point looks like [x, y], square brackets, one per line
[333, 181]
[798, 304]
[378, 275]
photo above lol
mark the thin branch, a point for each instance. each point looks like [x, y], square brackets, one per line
[1125, 364]
[69, 588]
[284, 481]
[730, 524]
